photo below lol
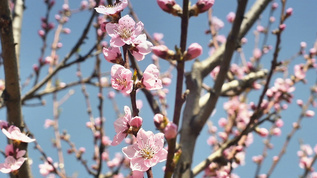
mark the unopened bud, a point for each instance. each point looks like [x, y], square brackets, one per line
[194, 50]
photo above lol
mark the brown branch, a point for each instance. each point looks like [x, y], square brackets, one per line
[12, 93]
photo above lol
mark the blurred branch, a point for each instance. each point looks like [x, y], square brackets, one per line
[253, 14]
[17, 25]
[61, 65]
[195, 116]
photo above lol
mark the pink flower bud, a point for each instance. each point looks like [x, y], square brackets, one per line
[263, 132]
[204, 5]
[158, 120]
[257, 53]
[222, 122]
[282, 26]
[230, 17]
[83, 4]
[276, 131]
[194, 50]
[289, 11]
[162, 51]
[257, 159]
[111, 94]
[136, 122]
[303, 44]
[260, 28]
[82, 149]
[279, 123]
[66, 30]
[274, 5]
[65, 7]
[41, 33]
[170, 130]
[166, 5]
[310, 113]
[35, 67]
[106, 141]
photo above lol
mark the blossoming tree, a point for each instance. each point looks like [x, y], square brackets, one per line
[236, 98]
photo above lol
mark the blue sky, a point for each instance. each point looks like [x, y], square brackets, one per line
[301, 26]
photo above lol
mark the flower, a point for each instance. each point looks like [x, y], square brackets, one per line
[124, 32]
[140, 47]
[112, 54]
[11, 164]
[121, 79]
[125, 125]
[147, 151]
[14, 133]
[151, 79]
[111, 10]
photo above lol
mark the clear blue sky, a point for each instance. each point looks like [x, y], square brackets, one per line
[302, 26]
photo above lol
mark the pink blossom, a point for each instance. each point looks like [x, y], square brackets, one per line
[124, 32]
[170, 130]
[204, 5]
[112, 54]
[194, 50]
[299, 72]
[147, 151]
[140, 47]
[125, 125]
[231, 16]
[11, 164]
[121, 79]
[151, 79]
[217, 23]
[46, 168]
[14, 133]
[111, 10]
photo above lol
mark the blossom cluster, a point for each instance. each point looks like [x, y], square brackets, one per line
[14, 156]
[147, 148]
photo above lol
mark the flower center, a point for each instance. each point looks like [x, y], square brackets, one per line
[147, 152]
[122, 82]
[125, 33]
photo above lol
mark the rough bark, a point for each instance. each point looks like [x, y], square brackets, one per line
[11, 95]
